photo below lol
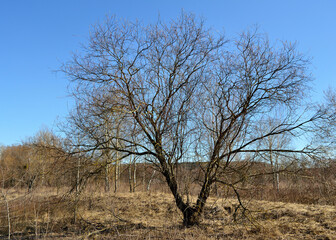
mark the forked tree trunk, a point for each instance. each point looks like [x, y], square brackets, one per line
[192, 215]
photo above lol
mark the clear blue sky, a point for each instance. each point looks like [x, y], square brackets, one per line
[37, 36]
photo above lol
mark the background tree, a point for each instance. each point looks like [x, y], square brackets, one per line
[186, 93]
[279, 161]
[326, 127]
[90, 128]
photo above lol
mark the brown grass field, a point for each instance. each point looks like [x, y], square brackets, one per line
[44, 214]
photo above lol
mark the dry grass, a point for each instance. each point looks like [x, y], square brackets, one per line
[154, 216]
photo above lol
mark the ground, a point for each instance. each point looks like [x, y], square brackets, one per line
[154, 216]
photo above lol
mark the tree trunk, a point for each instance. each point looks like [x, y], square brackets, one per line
[275, 169]
[107, 158]
[191, 215]
[116, 176]
[77, 191]
[276, 180]
[134, 176]
[107, 179]
[150, 180]
[144, 177]
[31, 183]
[130, 176]
[117, 166]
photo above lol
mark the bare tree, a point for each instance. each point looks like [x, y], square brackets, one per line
[326, 127]
[91, 123]
[187, 94]
[132, 173]
[278, 161]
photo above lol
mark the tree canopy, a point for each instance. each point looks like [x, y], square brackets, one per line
[180, 92]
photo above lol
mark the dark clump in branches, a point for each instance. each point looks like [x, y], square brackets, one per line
[177, 92]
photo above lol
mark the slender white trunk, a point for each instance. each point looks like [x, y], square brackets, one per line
[107, 180]
[150, 181]
[277, 177]
[107, 157]
[77, 190]
[130, 175]
[117, 166]
[116, 175]
[134, 176]
[144, 177]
